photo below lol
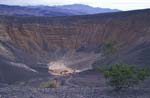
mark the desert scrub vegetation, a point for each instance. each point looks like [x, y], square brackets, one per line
[109, 48]
[50, 84]
[121, 76]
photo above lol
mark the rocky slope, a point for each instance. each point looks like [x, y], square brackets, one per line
[37, 40]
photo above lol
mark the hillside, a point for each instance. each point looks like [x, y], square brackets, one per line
[37, 41]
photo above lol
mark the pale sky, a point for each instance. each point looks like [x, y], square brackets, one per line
[114, 4]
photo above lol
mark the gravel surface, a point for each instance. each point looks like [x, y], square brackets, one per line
[66, 92]
[31, 89]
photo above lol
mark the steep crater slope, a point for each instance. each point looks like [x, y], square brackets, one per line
[37, 40]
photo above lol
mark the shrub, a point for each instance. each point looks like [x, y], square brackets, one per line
[123, 76]
[50, 84]
[109, 48]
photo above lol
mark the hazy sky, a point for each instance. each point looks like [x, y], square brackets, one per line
[115, 4]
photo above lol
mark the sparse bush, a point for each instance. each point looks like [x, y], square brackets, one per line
[50, 84]
[109, 48]
[123, 76]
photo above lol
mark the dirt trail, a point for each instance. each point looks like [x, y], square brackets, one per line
[70, 84]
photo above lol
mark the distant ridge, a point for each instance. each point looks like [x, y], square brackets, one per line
[66, 10]
[87, 9]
